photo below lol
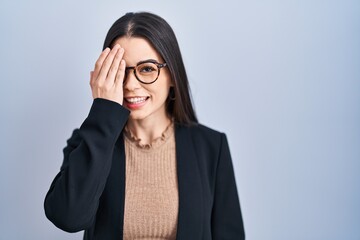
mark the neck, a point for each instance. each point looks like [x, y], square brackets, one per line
[148, 129]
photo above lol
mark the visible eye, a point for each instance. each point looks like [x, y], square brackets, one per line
[147, 68]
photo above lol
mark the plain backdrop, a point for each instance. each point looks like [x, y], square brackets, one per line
[280, 78]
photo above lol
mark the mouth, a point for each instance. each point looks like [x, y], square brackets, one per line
[135, 102]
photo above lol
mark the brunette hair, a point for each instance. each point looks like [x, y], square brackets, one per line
[159, 33]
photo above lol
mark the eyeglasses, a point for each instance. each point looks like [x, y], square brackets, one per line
[147, 71]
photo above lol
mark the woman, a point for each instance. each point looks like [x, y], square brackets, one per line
[141, 166]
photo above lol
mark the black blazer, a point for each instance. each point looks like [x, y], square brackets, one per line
[88, 192]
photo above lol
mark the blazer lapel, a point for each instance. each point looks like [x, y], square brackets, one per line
[190, 187]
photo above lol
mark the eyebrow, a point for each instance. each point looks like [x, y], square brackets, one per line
[145, 61]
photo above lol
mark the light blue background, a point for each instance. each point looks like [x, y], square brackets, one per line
[281, 78]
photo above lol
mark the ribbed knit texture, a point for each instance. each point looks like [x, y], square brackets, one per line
[151, 198]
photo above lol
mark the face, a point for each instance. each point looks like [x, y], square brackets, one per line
[145, 101]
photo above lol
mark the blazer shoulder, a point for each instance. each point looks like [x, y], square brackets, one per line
[201, 133]
[205, 130]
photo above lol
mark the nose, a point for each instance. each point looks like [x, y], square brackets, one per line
[130, 81]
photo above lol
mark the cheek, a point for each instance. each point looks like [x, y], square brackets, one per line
[160, 95]
[160, 89]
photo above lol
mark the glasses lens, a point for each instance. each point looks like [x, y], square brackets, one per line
[147, 72]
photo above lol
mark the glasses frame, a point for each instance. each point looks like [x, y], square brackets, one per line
[159, 66]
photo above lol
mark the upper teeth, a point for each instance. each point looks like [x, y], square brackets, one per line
[136, 99]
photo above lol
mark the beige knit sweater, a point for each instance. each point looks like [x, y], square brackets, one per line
[151, 195]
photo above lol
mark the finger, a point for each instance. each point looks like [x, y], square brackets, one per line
[107, 63]
[120, 74]
[99, 62]
[91, 77]
[115, 66]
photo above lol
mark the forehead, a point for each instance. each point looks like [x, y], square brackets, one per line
[137, 49]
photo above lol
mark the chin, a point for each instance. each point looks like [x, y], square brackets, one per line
[137, 116]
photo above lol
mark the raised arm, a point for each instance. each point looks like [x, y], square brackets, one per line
[73, 198]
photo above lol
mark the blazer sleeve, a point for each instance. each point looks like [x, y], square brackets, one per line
[226, 218]
[73, 198]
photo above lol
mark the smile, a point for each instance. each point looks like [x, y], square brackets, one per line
[134, 103]
[136, 100]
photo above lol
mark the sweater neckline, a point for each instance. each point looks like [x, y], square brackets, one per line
[157, 142]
